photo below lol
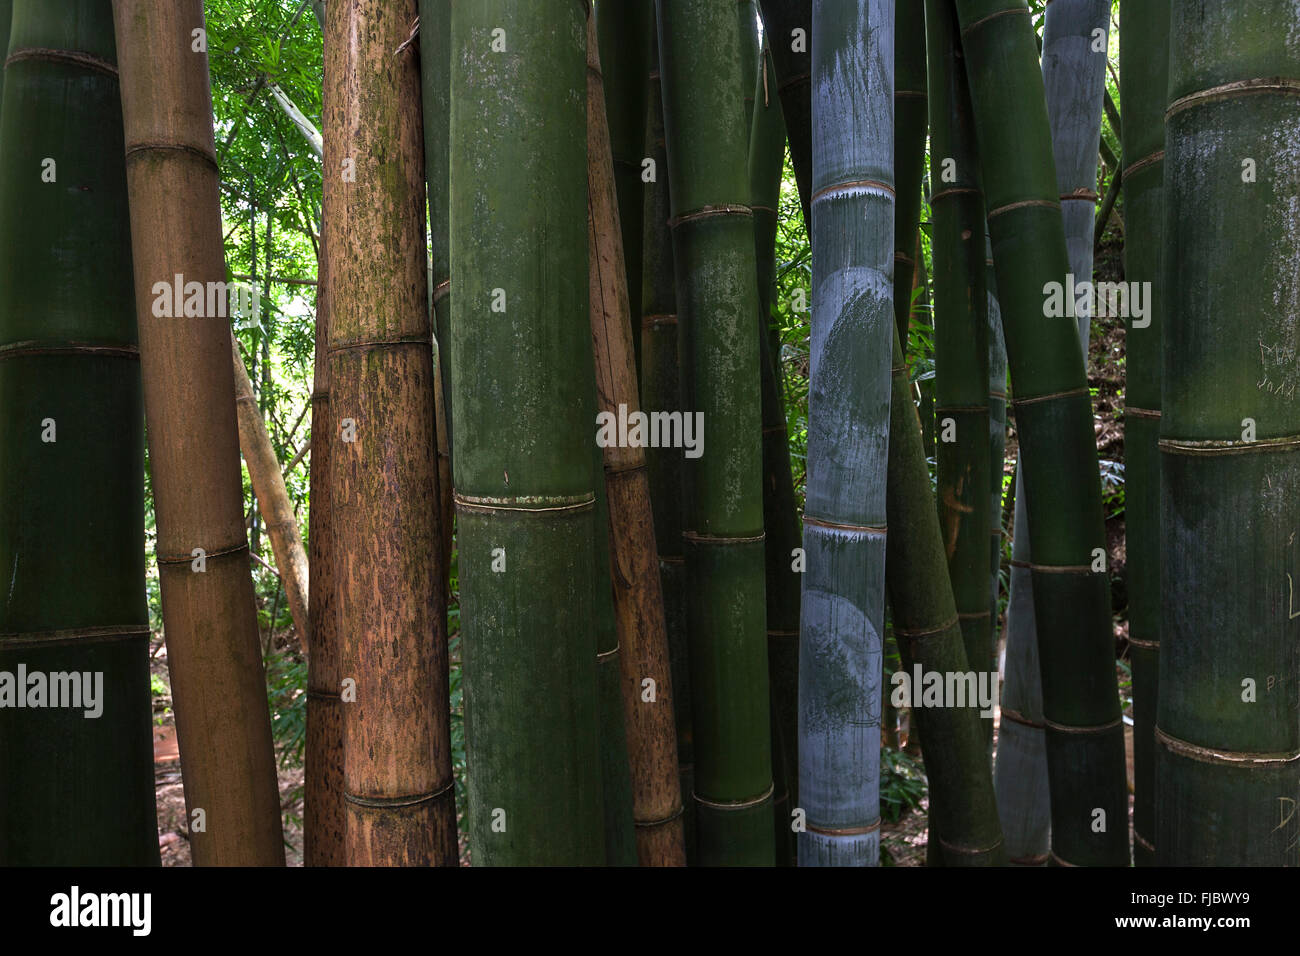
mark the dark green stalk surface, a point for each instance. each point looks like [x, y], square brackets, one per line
[1144, 82]
[1085, 742]
[717, 298]
[524, 409]
[1227, 759]
[74, 790]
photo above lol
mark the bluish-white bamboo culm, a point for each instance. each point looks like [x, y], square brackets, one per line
[842, 622]
[1074, 77]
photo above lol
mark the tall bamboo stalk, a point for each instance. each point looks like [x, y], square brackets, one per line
[399, 803]
[964, 819]
[1228, 725]
[1074, 80]
[717, 295]
[272, 497]
[6, 15]
[523, 401]
[1085, 738]
[961, 348]
[1144, 81]
[788, 26]
[323, 817]
[661, 391]
[214, 655]
[624, 28]
[74, 790]
[638, 597]
[780, 513]
[911, 120]
[843, 607]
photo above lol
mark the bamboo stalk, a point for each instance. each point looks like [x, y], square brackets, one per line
[843, 605]
[911, 121]
[661, 391]
[525, 485]
[1085, 740]
[624, 28]
[398, 798]
[214, 657]
[638, 598]
[1227, 758]
[961, 346]
[788, 24]
[435, 82]
[268, 485]
[780, 515]
[717, 298]
[75, 791]
[964, 818]
[323, 816]
[1144, 81]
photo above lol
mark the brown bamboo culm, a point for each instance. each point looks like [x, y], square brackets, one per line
[638, 598]
[278, 518]
[214, 659]
[322, 818]
[398, 795]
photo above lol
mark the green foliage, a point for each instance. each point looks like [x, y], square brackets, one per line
[902, 783]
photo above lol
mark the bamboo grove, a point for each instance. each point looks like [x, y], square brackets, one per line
[560, 460]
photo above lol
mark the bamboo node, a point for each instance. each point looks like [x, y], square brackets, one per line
[209, 159]
[709, 212]
[376, 802]
[1175, 446]
[1273, 84]
[1018, 718]
[871, 827]
[1068, 393]
[1093, 729]
[1143, 163]
[841, 526]
[970, 850]
[737, 804]
[171, 559]
[16, 349]
[853, 185]
[74, 635]
[721, 539]
[993, 16]
[76, 57]
[955, 191]
[662, 821]
[1024, 204]
[529, 503]
[1135, 412]
[1218, 755]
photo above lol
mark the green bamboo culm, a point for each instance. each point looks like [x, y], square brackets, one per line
[961, 350]
[1074, 80]
[780, 512]
[788, 28]
[1227, 735]
[1144, 81]
[73, 791]
[624, 28]
[661, 391]
[6, 15]
[843, 606]
[911, 120]
[717, 298]
[435, 98]
[1085, 738]
[525, 481]
[965, 814]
